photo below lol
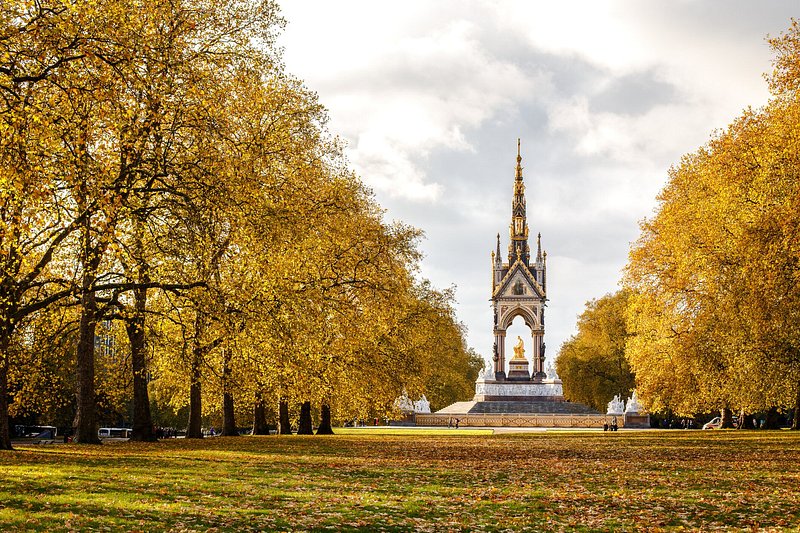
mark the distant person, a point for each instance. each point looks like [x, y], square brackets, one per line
[457, 421]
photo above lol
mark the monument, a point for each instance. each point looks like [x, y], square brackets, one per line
[518, 391]
[616, 406]
[634, 413]
[409, 409]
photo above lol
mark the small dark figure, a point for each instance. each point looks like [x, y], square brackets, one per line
[614, 424]
[457, 421]
[605, 426]
[449, 423]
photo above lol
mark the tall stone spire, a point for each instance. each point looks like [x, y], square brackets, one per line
[539, 248]
[519, 289]
[518, 247]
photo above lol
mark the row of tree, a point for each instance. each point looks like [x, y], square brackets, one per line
[712, 319]
[176, 220]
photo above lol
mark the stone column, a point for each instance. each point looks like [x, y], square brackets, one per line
[538, 363]
[534, 354]
[540, 346]
[500, 340]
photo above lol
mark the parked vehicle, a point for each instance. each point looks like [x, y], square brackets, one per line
[114, 433]
[716, 423]
[39, 432]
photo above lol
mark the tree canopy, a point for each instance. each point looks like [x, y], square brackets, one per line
[714, 314]
[170, 194]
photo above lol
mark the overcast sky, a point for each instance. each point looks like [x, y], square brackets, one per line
[431, 97]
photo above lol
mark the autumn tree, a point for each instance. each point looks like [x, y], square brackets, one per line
[38, 47]
[714, 314]
[592, 362]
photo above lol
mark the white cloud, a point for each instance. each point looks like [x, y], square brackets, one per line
[594, 31]
[391, 169]
[405, 96]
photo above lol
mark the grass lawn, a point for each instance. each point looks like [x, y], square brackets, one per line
[540, 481]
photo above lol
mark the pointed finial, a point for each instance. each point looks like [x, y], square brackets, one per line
[539, 247]
[519, 160]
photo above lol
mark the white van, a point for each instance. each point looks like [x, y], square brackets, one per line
[114, 433]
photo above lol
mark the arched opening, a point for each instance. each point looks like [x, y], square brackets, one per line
[518, 328]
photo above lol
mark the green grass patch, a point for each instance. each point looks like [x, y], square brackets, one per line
[416, 481]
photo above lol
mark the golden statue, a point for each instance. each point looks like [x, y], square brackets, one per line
[519, 350]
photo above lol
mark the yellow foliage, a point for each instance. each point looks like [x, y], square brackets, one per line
[716, 311]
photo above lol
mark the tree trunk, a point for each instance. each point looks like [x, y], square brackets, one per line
[325, 421]
[228, 416]
[85, 423]
[228, 413]
[284, 426]
[142, 420]
[260, 426]
[195, 429]
[795, 421]
[727, 417]
[5, 430]
[305, 426]
[771, 421]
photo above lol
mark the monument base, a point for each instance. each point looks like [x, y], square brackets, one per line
[516, 403]
[518, 370]
[518, 390]
[636, 420]
[540, 412]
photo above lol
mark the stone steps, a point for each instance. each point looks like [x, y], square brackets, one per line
[518, 407]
